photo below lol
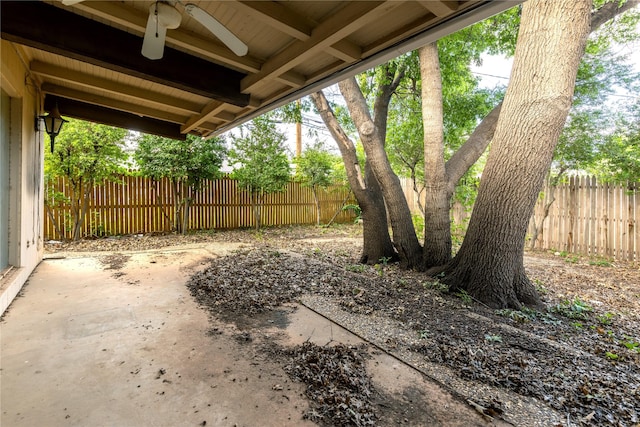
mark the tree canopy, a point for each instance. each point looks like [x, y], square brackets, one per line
[259, 160]
[190, 161]
[86, 153]
[315, 169]
[185, 163]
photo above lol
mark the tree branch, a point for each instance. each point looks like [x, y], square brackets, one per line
[609, 11]
[347, 149]
[468, 154]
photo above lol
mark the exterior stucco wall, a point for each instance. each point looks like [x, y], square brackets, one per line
[26, 171]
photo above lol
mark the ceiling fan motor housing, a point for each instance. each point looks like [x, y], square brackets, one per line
[167, 15]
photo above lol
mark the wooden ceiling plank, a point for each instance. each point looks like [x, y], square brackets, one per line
[419, 24]
[293, 79]
[37, 24]
[349, 19]
[325, 71]
[345, 50]
[120, 89]
[279, 17]
[225, 116]
[440, 8]
[115, 104]
[133, 19]
[107, 116]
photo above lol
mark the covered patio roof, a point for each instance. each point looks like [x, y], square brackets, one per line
[86, 57]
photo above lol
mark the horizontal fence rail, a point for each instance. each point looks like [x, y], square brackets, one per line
[136, 205]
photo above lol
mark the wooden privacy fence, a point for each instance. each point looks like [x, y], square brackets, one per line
[459, 213]
[592, 218]
[587, 217]
[142, 205]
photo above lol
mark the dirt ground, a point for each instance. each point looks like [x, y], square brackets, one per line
[576, 363]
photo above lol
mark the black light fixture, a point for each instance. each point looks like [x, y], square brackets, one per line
[53, 122]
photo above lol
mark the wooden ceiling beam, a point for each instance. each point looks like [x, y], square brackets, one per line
[115, 104]
[350, 18]
[37, 24]
[295, 25]
[118, 89]
[212, 109]
[107, 116]
[440, 8]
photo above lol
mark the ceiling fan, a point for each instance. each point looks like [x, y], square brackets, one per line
[164, 15]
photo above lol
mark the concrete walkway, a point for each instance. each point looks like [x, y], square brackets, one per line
[116, 340]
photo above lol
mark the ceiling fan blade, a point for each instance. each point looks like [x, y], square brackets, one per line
[154, 36]
[217, 29]
[70, 2]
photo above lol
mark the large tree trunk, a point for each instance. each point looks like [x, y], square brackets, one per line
[437, 226]
[376, 240]
[441, 178]
[551, 43]
[404, 235]
[375, 231]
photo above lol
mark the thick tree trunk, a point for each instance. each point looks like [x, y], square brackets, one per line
[404, 235]
[374, 220]
[441, 178]
[437, 222]
[376, 240]
[550, 45]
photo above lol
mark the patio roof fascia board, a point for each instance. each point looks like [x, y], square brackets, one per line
[108, 116]
[37, 24]
[467, 17]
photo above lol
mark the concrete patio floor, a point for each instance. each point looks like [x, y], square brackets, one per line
[99, 341]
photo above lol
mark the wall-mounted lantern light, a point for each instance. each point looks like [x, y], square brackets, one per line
[53, 124]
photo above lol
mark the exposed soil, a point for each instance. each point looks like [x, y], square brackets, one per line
[576, 363]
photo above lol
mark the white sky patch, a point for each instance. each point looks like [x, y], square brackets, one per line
[494, 71]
